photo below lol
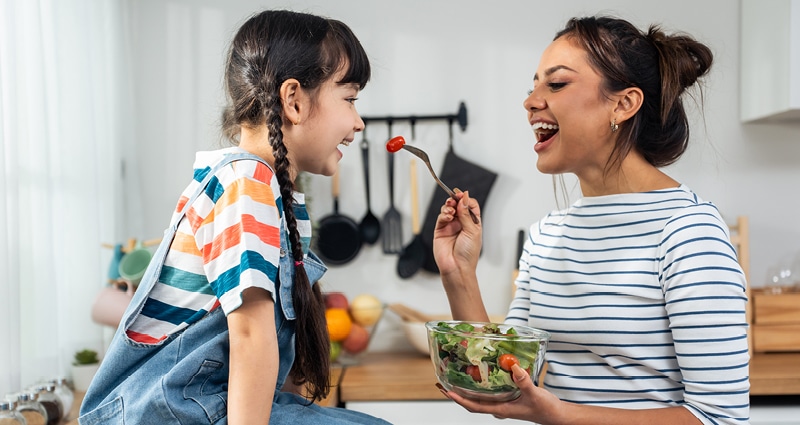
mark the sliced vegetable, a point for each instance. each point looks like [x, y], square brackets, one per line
[474, 360]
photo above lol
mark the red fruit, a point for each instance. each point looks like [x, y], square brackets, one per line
[474, 372]
[336, 300]
[507, 361]
[357, 340]
[395, 144]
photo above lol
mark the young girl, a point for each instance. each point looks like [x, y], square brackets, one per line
[637, 281]
[228, 313]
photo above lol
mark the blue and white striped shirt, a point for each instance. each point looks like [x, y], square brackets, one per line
[645, 301]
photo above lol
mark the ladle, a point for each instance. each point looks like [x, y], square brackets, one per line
[399, 142]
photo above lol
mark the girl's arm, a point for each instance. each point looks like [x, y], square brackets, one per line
[254, 358]
[456, 248]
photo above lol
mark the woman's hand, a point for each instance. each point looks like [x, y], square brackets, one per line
[534, 404]
[456, 239]
[542, 407]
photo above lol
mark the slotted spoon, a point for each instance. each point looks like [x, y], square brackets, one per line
[391, 225]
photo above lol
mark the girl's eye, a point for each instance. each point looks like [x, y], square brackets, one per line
[556, 86]
[351, 100]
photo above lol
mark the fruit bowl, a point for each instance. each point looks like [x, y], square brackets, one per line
[351, 325]
[474, 359]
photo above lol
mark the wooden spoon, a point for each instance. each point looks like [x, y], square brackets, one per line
[409, 314]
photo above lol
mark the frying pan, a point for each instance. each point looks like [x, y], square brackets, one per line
[338, 236]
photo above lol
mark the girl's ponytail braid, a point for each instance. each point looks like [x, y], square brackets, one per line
[312, 347]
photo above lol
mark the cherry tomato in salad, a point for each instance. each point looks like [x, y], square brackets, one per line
[474, 372]
[463, 343]
[506, 361]
[395, 144]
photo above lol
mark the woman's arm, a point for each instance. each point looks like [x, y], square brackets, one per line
[540, 406]
[456, 248]
[254, 358]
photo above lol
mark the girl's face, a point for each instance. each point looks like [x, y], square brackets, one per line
[569, 114]
[332, 122]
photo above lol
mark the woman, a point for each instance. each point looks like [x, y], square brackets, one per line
[637, 281]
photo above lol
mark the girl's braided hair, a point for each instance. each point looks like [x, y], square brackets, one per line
[270, 48]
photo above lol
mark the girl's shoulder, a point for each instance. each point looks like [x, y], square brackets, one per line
[249, 166]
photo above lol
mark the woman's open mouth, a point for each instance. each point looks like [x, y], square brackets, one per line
[544, 131]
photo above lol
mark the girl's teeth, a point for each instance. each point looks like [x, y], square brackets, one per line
[345, 142]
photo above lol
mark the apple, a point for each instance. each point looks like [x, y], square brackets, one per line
[366, 309]
[336, 300]
[357, 340]
[336, 349]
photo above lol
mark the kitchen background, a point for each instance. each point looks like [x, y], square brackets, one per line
[166, 59]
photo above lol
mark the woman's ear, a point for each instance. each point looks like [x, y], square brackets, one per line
[629, 101]
[292, 100]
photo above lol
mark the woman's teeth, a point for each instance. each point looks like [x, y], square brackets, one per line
[345, 142]
[544, 131]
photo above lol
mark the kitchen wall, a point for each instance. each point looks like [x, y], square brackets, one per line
[427, 56]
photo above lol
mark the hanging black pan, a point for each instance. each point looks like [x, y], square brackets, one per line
[338, 236]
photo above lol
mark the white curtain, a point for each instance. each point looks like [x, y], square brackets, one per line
[65, 114]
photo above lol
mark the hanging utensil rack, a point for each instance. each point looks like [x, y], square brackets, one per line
[460, 117]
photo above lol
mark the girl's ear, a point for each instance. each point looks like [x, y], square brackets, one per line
[628, 103]
[292, 100]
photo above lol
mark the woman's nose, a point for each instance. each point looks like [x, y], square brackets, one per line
[534, 101]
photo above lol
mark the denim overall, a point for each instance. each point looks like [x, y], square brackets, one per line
[184, 378]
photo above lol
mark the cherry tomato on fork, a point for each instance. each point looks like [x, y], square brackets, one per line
[395, 144]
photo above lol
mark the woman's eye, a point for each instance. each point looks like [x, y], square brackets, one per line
[556, 86]
[530, 92]
[351, 100]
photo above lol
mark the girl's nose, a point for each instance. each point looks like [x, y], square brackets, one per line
[359, 124]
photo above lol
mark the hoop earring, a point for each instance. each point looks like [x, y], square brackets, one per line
[614, 126]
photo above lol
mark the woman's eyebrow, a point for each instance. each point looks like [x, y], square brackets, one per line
[553, 69]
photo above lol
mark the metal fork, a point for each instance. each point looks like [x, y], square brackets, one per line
[424, 157]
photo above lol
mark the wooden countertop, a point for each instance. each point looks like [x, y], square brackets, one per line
[390, 377]
[775, 374]
[409, 376]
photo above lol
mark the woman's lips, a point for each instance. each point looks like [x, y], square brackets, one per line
[544, 133]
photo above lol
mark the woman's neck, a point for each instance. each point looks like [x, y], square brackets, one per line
[633, 175]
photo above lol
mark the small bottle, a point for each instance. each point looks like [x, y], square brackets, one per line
[9, 414]
[29, 407]
[65, 394]
[50, 402]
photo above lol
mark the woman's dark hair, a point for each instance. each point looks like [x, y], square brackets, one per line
[662, 66]
[270, 48]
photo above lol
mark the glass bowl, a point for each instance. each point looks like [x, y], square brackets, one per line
[474, 359]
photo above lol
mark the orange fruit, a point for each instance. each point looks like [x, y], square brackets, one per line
[339, 323]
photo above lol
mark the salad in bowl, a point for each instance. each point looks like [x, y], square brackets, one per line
[474, 359]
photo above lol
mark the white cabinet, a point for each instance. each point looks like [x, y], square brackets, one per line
[770, 60]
